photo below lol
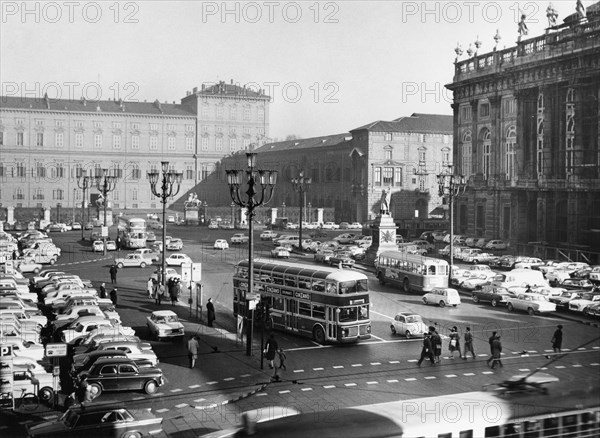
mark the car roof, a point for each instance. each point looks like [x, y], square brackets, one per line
[164, 313]
[114, 360]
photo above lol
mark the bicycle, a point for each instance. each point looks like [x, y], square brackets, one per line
[27, 401]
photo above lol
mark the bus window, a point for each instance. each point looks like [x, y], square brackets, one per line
[431, 270]
[331, 288]
[363, 312]
[318, 285]
[304, 283]
[303, 308]
[290, 281]
[242, 272]
[277, 279]
[348, 314]
[277, 303]
[318, 311]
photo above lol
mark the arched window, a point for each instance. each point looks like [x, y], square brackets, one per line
[540, 102]
[465, 153]
[511, 141]
[540, 146]
[486, 137]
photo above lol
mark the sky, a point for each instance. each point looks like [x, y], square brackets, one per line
[329, 66]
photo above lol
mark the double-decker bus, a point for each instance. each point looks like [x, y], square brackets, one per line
[411, 271]
[132, 231]
[326, 304]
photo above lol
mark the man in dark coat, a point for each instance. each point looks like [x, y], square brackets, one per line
[113, 296]
[210, 312]
[557, 338]
[426, 350]
[270, 349]
[113, 274]
[103, 290]
[496, 352]
[490, 341]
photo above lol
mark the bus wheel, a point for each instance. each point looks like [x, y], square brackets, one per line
[406, 285]
[319, 335]
[380, 278]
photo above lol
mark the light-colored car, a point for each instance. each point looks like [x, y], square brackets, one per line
[531, 303]
[134, 350]
[132, 260]
[27, 266]
[478, 280]
[98, 246]
[354, 226]
[239, 238]
[268, 235]
[442, 297]
[408, 324]
[175, 244]
[165, 324]
[345, 238]
[595, 274]
[557, 276]
[27, 349]
[42, 256]
[170, 273]
[330, 226]
[586, 299]
[177, 259]
[58, 227]
[496, 244]
[148, 254]
[111, 245]
[423, 244]
[221, 244]
[213, 226]
[40, 320]
[323, 255]
[280, 252]
[76, 226]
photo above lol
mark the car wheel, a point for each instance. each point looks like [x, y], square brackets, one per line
[425, 300]
[46, 394]
[406, 285]
[150, 387]
[475, 298]
[407, 333]
[319, 335]
[95, 390]
[52, 261]
[120, 266]
[530, 311]
[393, 329]
[494, 302]
[36, 271]
[142, 265]
[442, 303]
[511, 308]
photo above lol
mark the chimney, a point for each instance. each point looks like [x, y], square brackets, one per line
[203, 87]
[196, 89]
[232, 82]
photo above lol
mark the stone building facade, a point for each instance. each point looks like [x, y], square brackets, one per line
[526, 136]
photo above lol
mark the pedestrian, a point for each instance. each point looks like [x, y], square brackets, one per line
[84, 391]
[118, 243]
[496, 352]
[426, 350]
[103, 290]
[113, 296]
[150, 287]
[210, 312]
[160, 293]
[454, 344]
[282, 357]
[468, 343]
[193, 347]
[490, 341]
[14, 255]
[557, 338]
[436, 344]
[113, 274]
[173, 290]
[270, 349]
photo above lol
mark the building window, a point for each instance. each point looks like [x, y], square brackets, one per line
[38, 194]
[445, 158]
[246, 130]
[171, 143]
[189, 172]
[422, 154]
[397, 176]
[116, 142]
[59, 123]
[388, 136]
[377, 176]
[135, 126]
[20, 167]
[388, 154]
[484, 110]
[219, 144]
[219, 112]
[19, 193]
[153, 142]
[246, 113]
[20, 137]
[466, 153]
[189, 128]
[205, 129]
[246, 143]
[466, 113]
[170, 127]
[232, 144]
[79, 123]
[219, 130]
[97, 125]
[134, 195]
[540, 147]
[1, 138]
[511, 141]
[204, 111]
[204, 143]
[19, 122]
[58, 194]
[40, 170]
[487, 153]
[509, 106]
[153, 127]
[40, 139]
[388, 176]
[570, 132]
[261, 114]
[135, 142]
[79, 140]
[39, 122]
[98, 141]
[136, 173]
[540, 102]
[422, 183]
[58, 139]
[189, 143]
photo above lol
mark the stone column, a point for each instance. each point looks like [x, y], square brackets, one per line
[10, 215]
[47, 214]
[320, 215]
[273, 215]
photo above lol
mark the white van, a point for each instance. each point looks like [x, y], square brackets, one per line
[520, 277]
[442, 296]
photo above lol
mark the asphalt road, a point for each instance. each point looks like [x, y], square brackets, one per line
[322, 378]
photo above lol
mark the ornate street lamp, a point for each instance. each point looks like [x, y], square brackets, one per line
[169, 186]
[451, 187]
[84, 182]
[300, 185]
[267, 180]
[105, 184]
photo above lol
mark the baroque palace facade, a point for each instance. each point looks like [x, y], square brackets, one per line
[526, 135]
[349, 171]
[44, 141]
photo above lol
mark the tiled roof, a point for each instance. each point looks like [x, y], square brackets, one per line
[304, 143]
[417, 122]
[106, 106]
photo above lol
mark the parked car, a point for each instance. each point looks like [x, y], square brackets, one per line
[342, 257]
[178, 259]
[345, 238]
[98, 420]
[268, 235]
[98, 246]
[27, 265]
[592, 310]
[239, 238]
[57, 227]
[122, 374]
[323, 255]
[355, 226]
[495, 295]
[221, 244]
[563, 300]
[527, 263]
[330, 226]
[408, 324]
[280, 252]
[531, 303]
[557, 276]
[213, 226]
[150, 236]
[134, 350]
[595, 274]
[496, 244]
[111, 245]
[165, 324]
[577, 283]
[442, 297]
[132, 260]
[423, 244]
[587, 298]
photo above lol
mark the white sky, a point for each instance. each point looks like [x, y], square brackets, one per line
[354, 62]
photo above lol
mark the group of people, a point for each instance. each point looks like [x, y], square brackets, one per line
[112, 294]
[432, 346]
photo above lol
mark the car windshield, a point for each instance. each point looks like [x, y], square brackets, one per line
[413, 318]
[69, 418]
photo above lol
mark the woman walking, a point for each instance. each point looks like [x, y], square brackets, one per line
[454, 344]
[270, 350]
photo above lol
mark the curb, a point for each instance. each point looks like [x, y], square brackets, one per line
[233, 400]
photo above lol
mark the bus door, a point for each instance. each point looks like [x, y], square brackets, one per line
[331, 323]
[291, 311]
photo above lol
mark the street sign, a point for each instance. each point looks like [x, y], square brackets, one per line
[186, 272]
[253, 300]
[196, 272]
[104, 232]
[56, 350]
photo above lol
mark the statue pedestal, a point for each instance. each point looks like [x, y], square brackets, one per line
[109, 216]
[384, 237]
[190, 215]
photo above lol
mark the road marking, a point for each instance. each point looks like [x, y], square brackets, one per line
[298, 371]
[576, 365]
[377, 337]
[194, 386]
[212, 405]
[261, 394]
[451, 375]
[329, 386]
[181, 405]
[392, 381]
[229, 379]
[138, 398]
[176, 390]
[430, 377]
[199, 400]
[318, 369]
[394, 361]
[468, 374]
[559, 366]
[412, 360]
[595, 364]
[248, 375]
[349, 384]
[381, 314]
[160, 411]
[372, 383]
[524, 369]
[581, 348]
[410, 379]
[306, 389]
[211, 383]
[285, 391]
[375, 363]
[487, 372]
[338, 366]
[596, 348]
[482, 355]
[357, 365]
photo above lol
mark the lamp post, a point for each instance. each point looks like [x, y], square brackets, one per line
[73, 209]
[84, 182]
[205, 206]
[169, 186]
[233, 214]
[300, 185]
[105, 184]
[267, 180]
[309, 212]
[451, 187]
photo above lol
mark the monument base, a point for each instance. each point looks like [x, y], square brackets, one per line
[384, 238]
[109, 217]
[191, 216]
